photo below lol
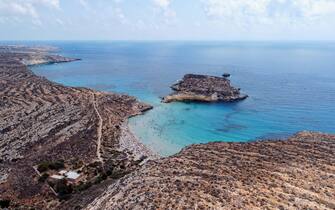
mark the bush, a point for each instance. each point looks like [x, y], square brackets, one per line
[4, 203]
[42, 167]
[46, 165]
[59, 164]
[62, 188]
[78, 207]
[78, 164]
[109, 172]
[100, 178]
[118, 174]
[82, 186]
[44, 177]
[139, 161]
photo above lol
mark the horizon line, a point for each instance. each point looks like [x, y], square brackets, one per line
[166, 40]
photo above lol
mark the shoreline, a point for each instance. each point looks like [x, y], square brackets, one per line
[129, 141]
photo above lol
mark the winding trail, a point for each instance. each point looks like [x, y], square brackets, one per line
[99, 131]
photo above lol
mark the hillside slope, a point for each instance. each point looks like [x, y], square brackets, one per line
[298, 173]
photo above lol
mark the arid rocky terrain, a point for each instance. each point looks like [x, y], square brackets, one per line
[48, 130]
[204, 88]
[44, 123]
[298, 173]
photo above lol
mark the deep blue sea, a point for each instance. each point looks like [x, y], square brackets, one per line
[291, 86]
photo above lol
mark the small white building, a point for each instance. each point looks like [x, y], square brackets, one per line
[55, 176]
[72, 175]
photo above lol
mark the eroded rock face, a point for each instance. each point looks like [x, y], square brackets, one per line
[45, 121]
[204, 88]
[297, 173]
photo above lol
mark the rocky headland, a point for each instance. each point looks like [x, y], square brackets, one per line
[204, 88]
[46, 127]
[297, 173]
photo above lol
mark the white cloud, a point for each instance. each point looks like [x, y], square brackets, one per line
[269, 11]
[233, 8]
[59, 21]
[16, 9]
[50, 3]
[162, 3]
[118, 13]
[315, 8]
[84, 3]
[164, 9]
[12, 8]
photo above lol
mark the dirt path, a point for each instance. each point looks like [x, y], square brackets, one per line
[99, 131]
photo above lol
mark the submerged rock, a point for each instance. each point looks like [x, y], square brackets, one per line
[226, 75]
[204, 88]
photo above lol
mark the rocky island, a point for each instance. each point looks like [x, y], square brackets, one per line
[204, 88]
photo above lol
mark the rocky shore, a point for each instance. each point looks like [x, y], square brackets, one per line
[297, 173]
[44, 123]
[204, 88]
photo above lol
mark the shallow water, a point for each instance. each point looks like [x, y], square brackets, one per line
[291, 87]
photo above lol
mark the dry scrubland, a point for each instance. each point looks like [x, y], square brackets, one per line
[298, 173]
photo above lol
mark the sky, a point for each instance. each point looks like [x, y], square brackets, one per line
[167, 19]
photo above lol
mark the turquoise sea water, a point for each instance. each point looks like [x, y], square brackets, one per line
[291, 87]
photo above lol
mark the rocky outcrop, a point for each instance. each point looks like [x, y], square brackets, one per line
[226, 75]
[42, 121]
[297, 173]
[205, 89]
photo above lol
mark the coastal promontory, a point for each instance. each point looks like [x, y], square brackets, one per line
[204, 88]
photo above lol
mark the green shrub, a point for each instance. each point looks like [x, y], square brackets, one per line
[78, 164]
[118, 174]
[4, 203]
[62, 188]
[42, 167]
[46, 165]
[59, 164]
[44, 177]
[78, 207]
[100, 178]
[109, 172]
[82, 186]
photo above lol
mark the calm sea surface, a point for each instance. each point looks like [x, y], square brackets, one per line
[291, 87]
